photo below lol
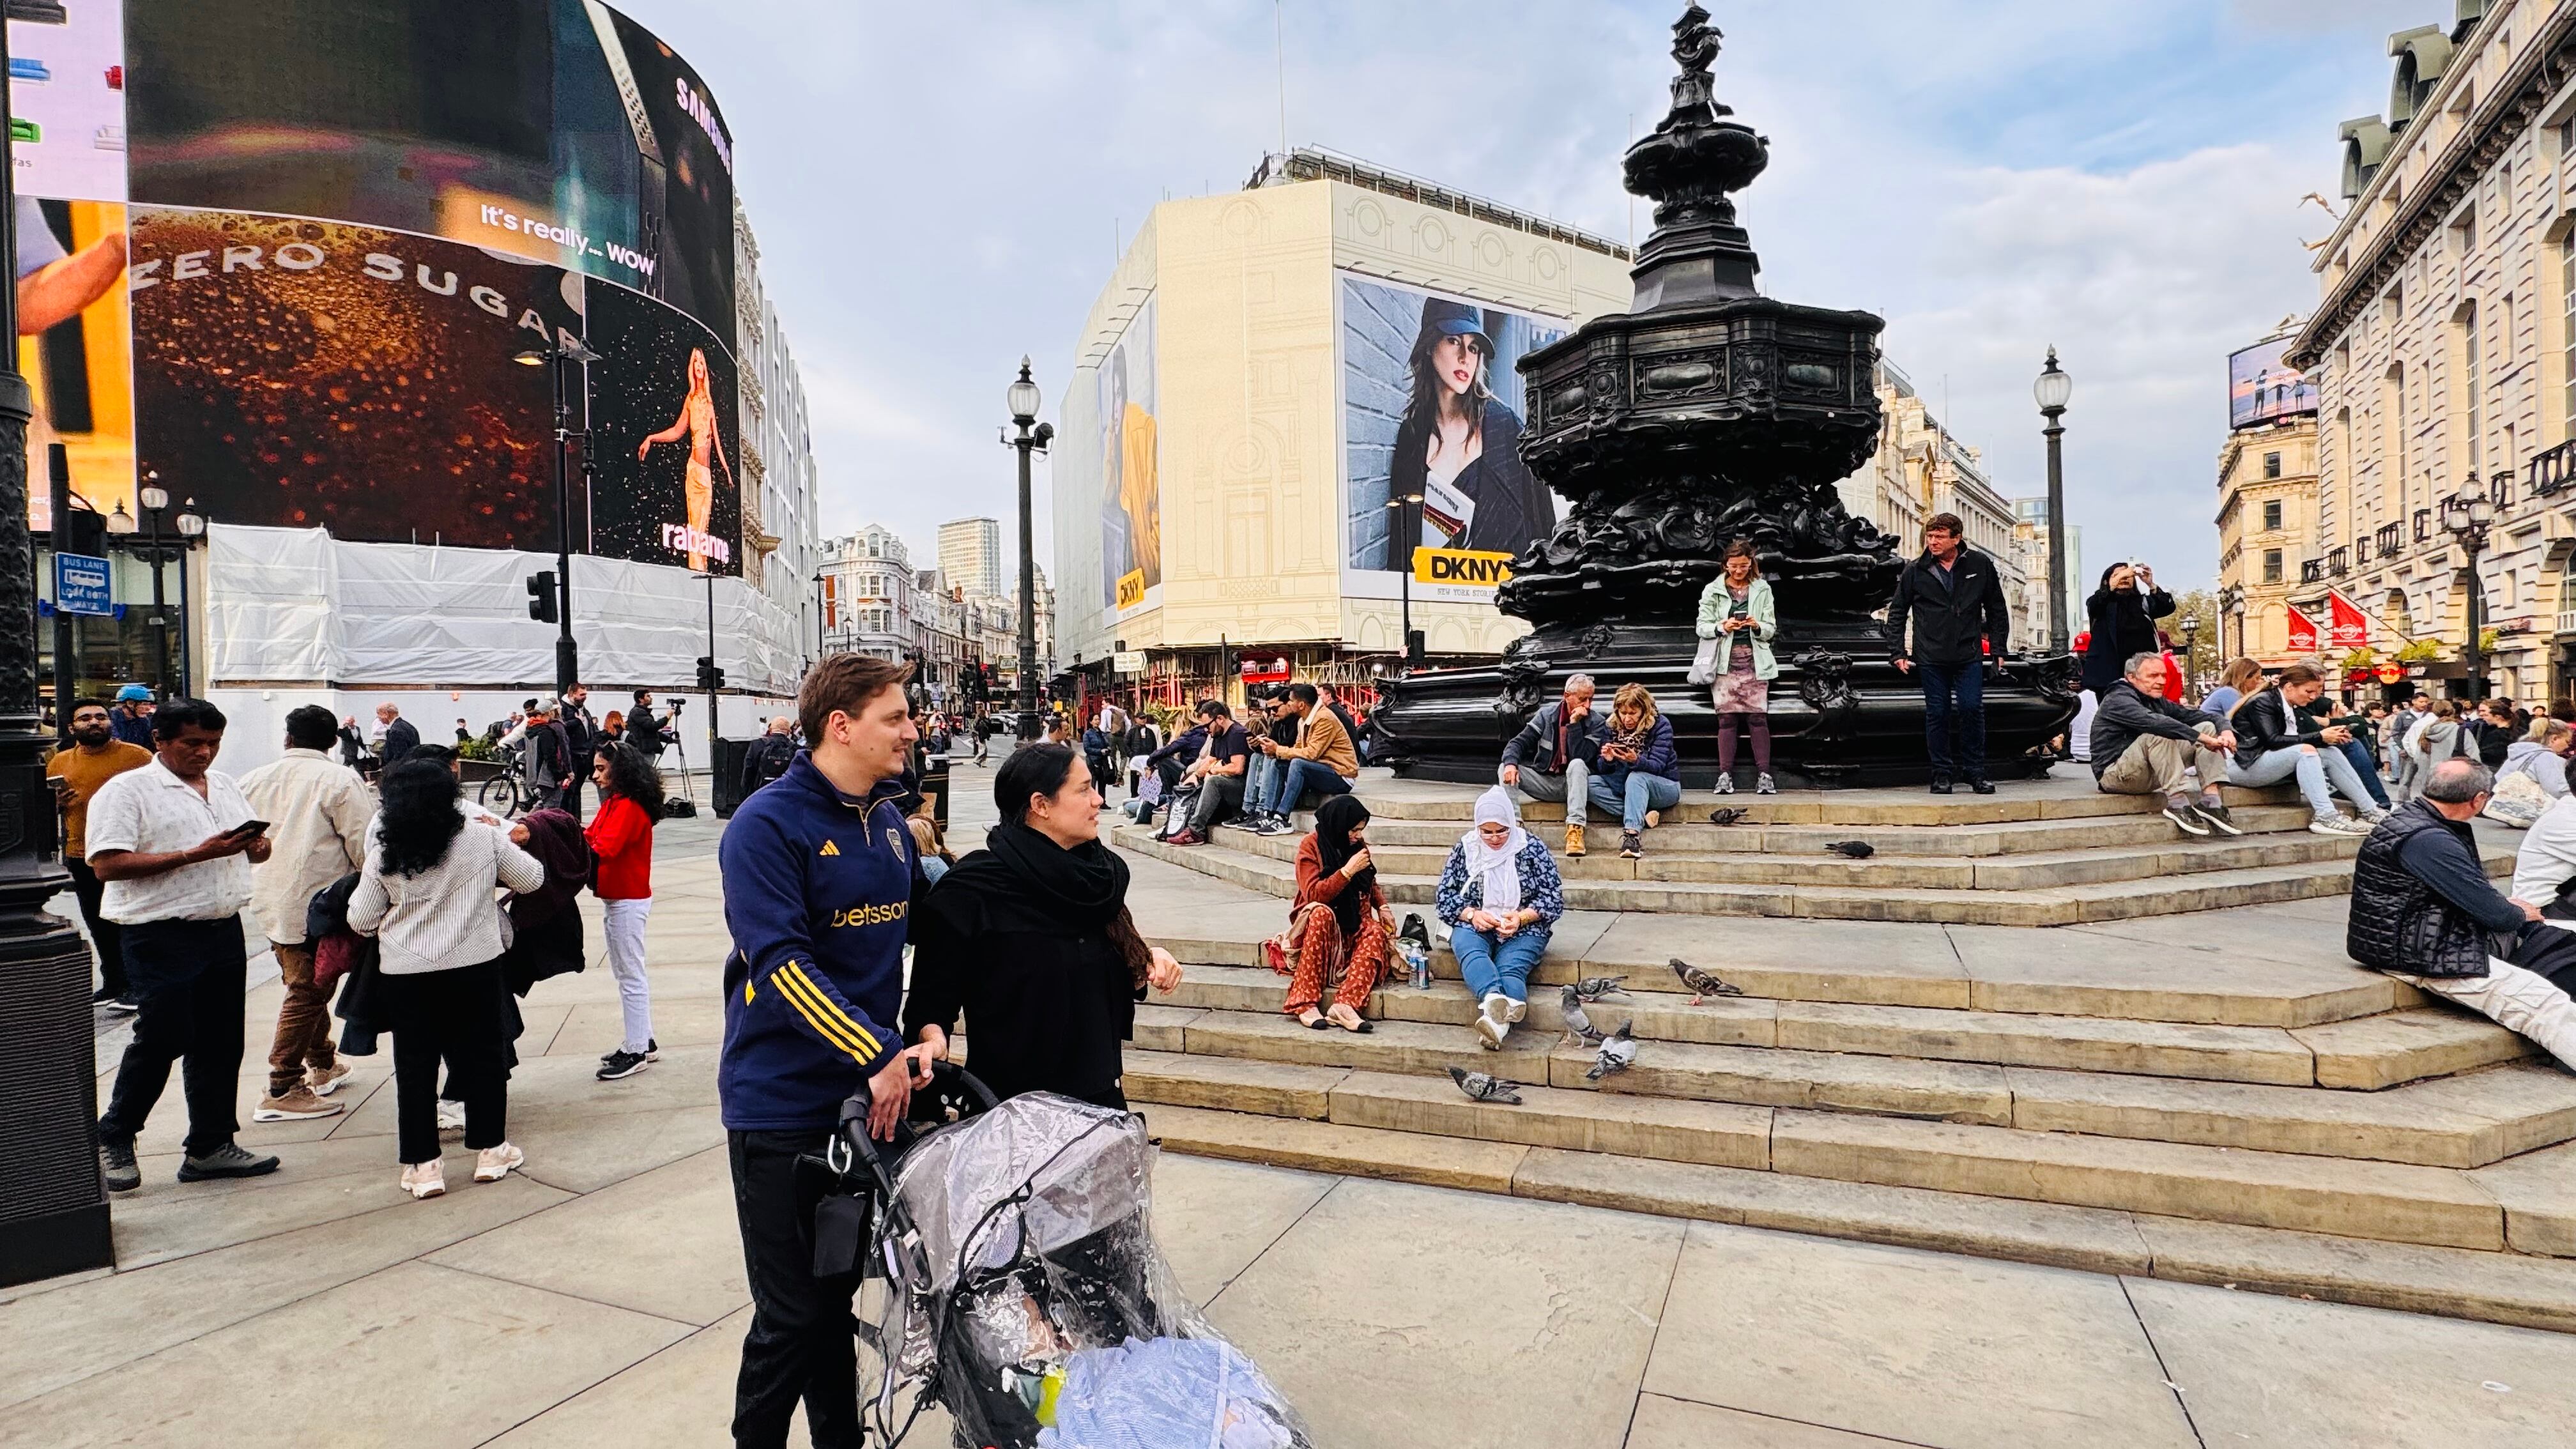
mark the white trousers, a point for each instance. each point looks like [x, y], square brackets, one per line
[2522, 1002]
[626, 962]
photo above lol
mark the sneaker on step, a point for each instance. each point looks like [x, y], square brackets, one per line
[295, 1106]
[2185, 819]
[1762, 785]
[2219, 819]
[326, 1080]
[116, 1167]
[1982, 785]
[1574, 842]
[1514, 1011]
[621, 1064]
[424, 1179]
[494, 1163]
[1492, 1025]
[2336, 825]
[1726, 783]
[228, 1160]
[1940, 784]
[1631, 845]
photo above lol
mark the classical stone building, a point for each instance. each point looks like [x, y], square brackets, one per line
[2267, 519]
[1921, 469]
[2441, 347]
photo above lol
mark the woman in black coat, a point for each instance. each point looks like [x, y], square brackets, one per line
[1031, 940]
[2124, 612]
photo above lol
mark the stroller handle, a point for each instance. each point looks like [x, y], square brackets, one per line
[943, 1074]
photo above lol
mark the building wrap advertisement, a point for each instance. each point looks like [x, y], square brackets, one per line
[1432, 408]
[1131, 508]
[348, 219]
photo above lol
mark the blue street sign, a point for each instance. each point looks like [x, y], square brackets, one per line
[80, 584]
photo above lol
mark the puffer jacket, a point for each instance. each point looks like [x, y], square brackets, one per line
[2399, 923]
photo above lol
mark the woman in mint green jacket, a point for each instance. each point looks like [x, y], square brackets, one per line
[1736, 606]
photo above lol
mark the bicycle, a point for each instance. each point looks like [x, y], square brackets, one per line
[506, 791]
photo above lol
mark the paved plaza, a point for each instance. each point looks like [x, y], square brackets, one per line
[599, 1299]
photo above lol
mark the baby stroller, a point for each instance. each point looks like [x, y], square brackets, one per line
[1024, 1292]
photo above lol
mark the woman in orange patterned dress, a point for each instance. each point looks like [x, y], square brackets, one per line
[1341, 919]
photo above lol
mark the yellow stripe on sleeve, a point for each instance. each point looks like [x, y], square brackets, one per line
[795, 992]
[825, 1003]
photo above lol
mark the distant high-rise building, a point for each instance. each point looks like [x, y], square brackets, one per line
[970, 553]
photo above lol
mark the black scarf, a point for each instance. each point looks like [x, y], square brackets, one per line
[1335, 819]
[1080, 888]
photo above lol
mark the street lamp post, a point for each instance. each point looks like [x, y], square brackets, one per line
[2467, 517]
[2231, 600]
[1023, 400]
[2052, 390]
[1403, 506]
[154, 500]
[2190, 654]
[558, 350]
[53, 1211]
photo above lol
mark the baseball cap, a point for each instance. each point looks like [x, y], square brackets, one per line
[1455, 319]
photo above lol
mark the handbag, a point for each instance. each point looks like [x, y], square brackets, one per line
[2518, 801]
[1708, 662]
[1279, 953]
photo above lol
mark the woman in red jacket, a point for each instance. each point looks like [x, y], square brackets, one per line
[621, 836]
[1340, 916]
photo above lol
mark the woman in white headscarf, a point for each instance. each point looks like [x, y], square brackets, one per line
[1500, 895]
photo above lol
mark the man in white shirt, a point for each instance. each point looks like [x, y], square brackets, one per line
[170, 842]
[318, 809]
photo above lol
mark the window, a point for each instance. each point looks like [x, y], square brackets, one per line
[2271, 565]
[2272, 466]
[2473, 390]
[2567, 303]
[2272, 514]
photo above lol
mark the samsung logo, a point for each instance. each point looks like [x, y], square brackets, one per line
[705, 115]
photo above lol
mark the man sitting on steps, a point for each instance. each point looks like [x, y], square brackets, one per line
[2142, 742]
[1550, 759]
[2424, 911]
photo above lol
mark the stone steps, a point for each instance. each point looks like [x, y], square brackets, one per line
[2070, 796]
[2404, 1045]
[1823, 889]
[2459, 1122]
[1680, 833]
[1785, 1179]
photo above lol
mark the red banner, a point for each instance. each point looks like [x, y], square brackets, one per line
[2347, 628]
[2303, 632]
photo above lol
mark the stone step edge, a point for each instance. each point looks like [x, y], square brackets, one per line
[1840, 808]
[2494, 1286]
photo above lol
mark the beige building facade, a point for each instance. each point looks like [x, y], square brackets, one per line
[2441, 349]
[2267, 531]
[1220, 342]
[1921, 469]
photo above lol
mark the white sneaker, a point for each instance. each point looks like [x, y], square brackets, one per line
[495, 1163]
[1513, 1011]
[2336, 825]
[423, 1180]
[451, 1118]
[1492, 1025]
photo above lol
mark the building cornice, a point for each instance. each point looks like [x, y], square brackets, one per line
[2507, 111]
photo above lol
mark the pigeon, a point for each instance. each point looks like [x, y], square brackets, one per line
[1703, 984]
[1577, 1023]
[1727, 816]
[1616, 1053]
[1481, 1087]
[1855, 849]
[1593, 988]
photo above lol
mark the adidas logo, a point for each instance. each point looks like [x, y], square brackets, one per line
[829, 848]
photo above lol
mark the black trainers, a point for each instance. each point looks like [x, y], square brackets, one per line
[1940, 784]
[652, 1051]
[2218, 819]
[1982, 785]
[621, 1064]
[2185, 819]
[228, 1160]
[116, 1167]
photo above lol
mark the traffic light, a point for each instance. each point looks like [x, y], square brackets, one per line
[541, 596]
[710, 678]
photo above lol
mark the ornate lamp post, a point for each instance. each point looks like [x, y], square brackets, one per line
[1404, 507]
[1023, 400]
[2231, 600]
[2190, 654]
[558, 351]
[2052, 390]
[2467, 517]
[155, 502]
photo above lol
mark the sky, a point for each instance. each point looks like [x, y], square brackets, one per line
[939, 190]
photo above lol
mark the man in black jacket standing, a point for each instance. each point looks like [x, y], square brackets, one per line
[769, 756]
[1955, 604]
[400, 737]
[583, 731]
[643, 731]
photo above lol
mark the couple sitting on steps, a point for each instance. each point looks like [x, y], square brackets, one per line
[1623, 765]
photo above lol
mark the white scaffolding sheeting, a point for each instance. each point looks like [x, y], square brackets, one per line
[294, 605]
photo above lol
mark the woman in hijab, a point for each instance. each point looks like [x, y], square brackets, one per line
[1500, 896]
[1340, 917]
[2123, 614]
[1030, 938]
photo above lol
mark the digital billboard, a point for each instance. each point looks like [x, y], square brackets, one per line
[668, 486]
[1431, 399]
[74, 350]
[556, 129]
[1131, 509]
[67, 98]
[2261, 387]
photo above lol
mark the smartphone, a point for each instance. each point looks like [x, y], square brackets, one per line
[247, 829]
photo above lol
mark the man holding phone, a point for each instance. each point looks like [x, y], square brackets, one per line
[174, 841]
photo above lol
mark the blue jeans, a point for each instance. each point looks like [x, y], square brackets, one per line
[2320, 773]
[1302, 776]
[2368, 769]
[1258, 772]
[1954, 693]
[1492, 964]
[1642, 792]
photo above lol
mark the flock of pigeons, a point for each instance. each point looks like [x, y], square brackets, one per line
[1614, 1052]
